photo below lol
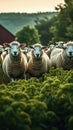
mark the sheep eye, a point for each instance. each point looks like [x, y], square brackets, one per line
[40, 49]
[10, 47]
[34, 49]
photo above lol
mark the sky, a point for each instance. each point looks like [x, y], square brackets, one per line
[28, 6]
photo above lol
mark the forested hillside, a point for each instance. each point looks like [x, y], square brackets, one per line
[15, 21]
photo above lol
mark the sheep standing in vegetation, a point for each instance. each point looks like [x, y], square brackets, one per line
[15, 62]
[39, 62]
[63, 58]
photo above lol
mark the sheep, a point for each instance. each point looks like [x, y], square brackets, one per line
[15, 62]
[5, 52]
[55, 51]
[64, 57]
[48, 51]
[1, 51]
[59, 44]
[24, 48]
[39, 62]
[5, 45]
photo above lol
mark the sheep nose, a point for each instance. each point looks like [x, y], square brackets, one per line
[37, 55]
[15, 52]
[70, 53]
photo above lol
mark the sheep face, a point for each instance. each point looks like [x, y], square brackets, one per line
[37, 51]
[14, 49]
[25, 49]
[52, 46]
[69, 50]
[60, 44]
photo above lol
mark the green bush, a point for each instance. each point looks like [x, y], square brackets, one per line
[34, 105]
[3, 77]
[70, 123]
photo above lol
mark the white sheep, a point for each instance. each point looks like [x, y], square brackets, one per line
[39, 62]
[1, 51]
[48, 51]
[5, 52]
[55, 51]
[59, 44]
[64, 57]
[15, 62]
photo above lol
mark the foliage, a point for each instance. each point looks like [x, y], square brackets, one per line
[15, 21]
[34, 105]
[3, 77]
[28, 35]
[44, 28]
[70, 123]
[64, 22]
[51, 26]
[59, 27]
[47, 105]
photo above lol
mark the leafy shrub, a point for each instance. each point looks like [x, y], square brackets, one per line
[70, 123]
[34, 105]
[3, 77]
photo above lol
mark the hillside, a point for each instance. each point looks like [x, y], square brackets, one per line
[15, 21]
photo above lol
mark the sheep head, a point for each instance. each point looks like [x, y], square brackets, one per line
[69, 49]
[14, 48]
[37, 50]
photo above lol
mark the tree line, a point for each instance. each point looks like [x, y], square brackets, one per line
[47, 31]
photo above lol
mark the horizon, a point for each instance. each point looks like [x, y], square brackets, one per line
[27, 12]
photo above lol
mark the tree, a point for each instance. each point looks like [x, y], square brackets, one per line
[28, 35]
[64, 23]
[43, 26]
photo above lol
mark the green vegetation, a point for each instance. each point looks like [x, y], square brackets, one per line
[59, 27]
[28, 35]
[34, 105]
[3, 78]
[15, 21]
[47, 105]
[51, 26]
[45, 29]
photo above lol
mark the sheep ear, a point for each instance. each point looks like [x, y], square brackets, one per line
[45, 47]
[30, 47]
[56, 43]
[22, 45]
[5, 45]
[64, 46]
